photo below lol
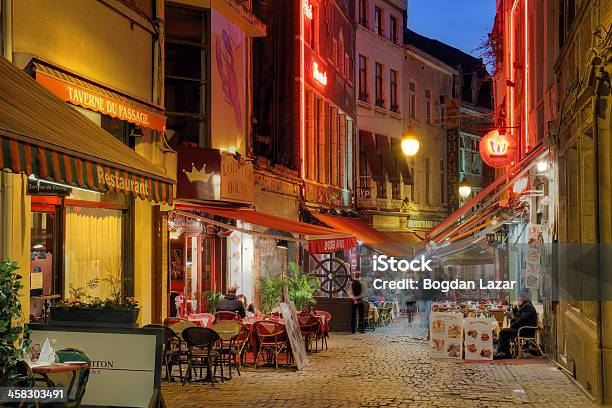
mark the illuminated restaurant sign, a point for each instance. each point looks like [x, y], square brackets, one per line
[321, 77]
[497, 149]
[307, 7]
[97, 99]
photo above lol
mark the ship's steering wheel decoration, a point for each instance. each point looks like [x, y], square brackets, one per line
[334, 275]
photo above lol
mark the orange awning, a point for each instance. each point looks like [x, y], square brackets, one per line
[320, 239]
[491, 192]
[391, 243]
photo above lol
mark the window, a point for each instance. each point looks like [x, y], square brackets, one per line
[187, 92]
[442, 182]
[379, 85]
[347, 66]
[393, 90]
[393, 29]
[412, 100]
[442, 111]
[340, 56]
[363, 13]
[396, 191]
[363, 78]
[427, 181]
[428, 106]
[335, 52]
[378, 21]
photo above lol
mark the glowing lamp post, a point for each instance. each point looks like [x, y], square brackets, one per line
[410, 144]
[464, 189]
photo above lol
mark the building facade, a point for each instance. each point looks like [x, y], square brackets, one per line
[87, 232]
[551, 88]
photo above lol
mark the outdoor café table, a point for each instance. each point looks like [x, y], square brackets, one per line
[45, 370]
[249, 322]
[324, 326]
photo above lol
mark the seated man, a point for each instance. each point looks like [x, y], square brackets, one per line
[231, 303]
[524, 315]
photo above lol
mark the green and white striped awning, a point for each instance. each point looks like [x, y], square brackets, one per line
[43, 136]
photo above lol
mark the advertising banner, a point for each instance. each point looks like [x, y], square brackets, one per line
[124, 376]
[446, 335]
[478, 338]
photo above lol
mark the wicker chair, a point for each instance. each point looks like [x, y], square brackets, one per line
[227, 315]
[272, 339]
[368, 318]
[228, 331]
[528, 336]
[171, 350]
[201, 353]
[310, 326]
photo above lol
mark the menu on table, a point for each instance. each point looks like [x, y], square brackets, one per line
[446, 334]
[478, 338]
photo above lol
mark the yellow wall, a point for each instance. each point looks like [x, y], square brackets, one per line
[88, 38]
[143, 259]
[16, 220]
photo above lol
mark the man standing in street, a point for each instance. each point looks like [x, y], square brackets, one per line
[357, 308]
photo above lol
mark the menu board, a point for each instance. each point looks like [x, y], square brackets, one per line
[478, 338]
[446, 335]
[292, 325]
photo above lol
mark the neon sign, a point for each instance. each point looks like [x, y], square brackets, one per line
[321, 77]
[307, 8]
[497, 149]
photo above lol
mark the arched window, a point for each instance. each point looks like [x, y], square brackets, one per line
[340, 56]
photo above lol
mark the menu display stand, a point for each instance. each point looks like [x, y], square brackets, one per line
[446, 335]
[292, 325]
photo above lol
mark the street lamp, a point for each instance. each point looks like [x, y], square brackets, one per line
[464, 189]
[410, 144]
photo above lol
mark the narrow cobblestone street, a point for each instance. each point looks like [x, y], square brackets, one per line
[389, 367]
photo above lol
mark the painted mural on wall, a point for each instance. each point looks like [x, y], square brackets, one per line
[228, 84]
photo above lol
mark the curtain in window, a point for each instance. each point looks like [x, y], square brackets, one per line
[92, 248]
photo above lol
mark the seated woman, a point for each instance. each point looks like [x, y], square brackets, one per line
[249, 307]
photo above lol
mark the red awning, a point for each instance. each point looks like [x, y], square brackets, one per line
[493, 190]
[320, 239]
[391, 243]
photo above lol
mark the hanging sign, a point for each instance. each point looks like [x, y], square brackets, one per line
[498, 149]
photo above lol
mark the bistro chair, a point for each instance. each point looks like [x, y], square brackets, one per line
[527, 336]
[226, 315]
[368, 317]
[77, 383]
[241, 343]
[178, 327]
[310, 326]
[228, 331]
[272, 339]
[323, 335]
[171, 350]
[201, 352]
[206, 319]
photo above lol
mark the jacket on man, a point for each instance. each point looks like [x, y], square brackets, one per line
[525, 315]
[231, 303]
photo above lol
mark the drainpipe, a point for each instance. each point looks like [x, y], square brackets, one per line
[7, 51]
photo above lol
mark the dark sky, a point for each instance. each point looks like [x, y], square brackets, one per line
[460, 23]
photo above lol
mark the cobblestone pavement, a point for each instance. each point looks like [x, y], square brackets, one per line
[389, 367]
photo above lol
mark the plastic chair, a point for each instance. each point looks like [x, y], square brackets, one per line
[272, 338]
[228, 331]
[201, 342]
[227, 315]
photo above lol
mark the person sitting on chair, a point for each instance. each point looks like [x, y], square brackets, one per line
[524, 315]
[231, 303]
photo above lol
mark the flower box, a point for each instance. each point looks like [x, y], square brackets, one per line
[115, 317]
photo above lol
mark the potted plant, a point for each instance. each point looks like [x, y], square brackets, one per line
[302, 287]
[271, 289]
[212, 300]
[12, 332]
[82, 308]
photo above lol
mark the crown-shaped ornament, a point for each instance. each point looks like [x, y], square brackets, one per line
[197, 175]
